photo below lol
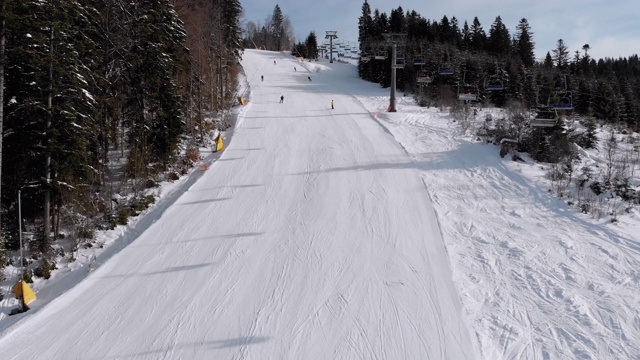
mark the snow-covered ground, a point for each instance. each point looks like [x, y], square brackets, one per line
[537, 279]
[348, 234]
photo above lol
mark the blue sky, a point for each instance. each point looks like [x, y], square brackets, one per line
[611, 28]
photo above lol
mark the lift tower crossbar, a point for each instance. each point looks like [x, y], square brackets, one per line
[331, 35]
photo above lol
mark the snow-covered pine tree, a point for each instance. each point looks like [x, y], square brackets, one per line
[49, 132]
[311, 46]
[153, 112]
[524, 43]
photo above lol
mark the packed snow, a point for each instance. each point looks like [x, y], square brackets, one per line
[350, 233]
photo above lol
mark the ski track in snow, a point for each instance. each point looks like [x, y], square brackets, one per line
[537, 279]
[351, 234]
[304, 240]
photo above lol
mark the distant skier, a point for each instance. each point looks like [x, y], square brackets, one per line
[294, 69]
[309, 77]
[331, 104]
[274, 62]
[281, 98]
[262, 77]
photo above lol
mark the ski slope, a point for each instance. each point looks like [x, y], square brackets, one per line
[311, 237]
[537, 279]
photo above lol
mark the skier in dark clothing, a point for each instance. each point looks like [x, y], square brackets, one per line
[282, 98]
[262, 77]
[309, 77]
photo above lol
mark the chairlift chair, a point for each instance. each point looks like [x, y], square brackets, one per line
[446, 69]
[423, 77]
[419, 61]
[380, 55]
[545, 117]
[494, 83]
[467, 92]
[561, 101]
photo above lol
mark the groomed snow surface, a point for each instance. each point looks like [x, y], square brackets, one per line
[350, 233]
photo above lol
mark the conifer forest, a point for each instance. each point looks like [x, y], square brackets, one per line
[100, 100]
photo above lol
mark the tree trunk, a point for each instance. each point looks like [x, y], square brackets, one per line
[47, 175]
[2, 59]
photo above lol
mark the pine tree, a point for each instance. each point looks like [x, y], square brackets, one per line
[499, 38]
[231, 31]
[524, 43]
[397, 22]
[277, 31]
[446, 34]
[365, 25]
[605, 102]
[153, 113]
[466, 36]
[589, 140]
[51, 111]
[478, 36]
[548, 61]
[455, 32]
[417, 27]
[561, 55]
[311, 46]
[365, 36]
[3, 15]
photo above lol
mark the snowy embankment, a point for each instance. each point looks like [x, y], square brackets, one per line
[537, 278]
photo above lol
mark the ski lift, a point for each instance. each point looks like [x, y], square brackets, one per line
[467, 92]
[380, 55]
[419, 61]
[366, 56]
[544, 117]
[400, 60]
[446, 69]
[423, 77]
[560, 101]
[493, 83]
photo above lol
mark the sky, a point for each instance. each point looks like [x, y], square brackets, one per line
[346, 233]
[609, 27]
